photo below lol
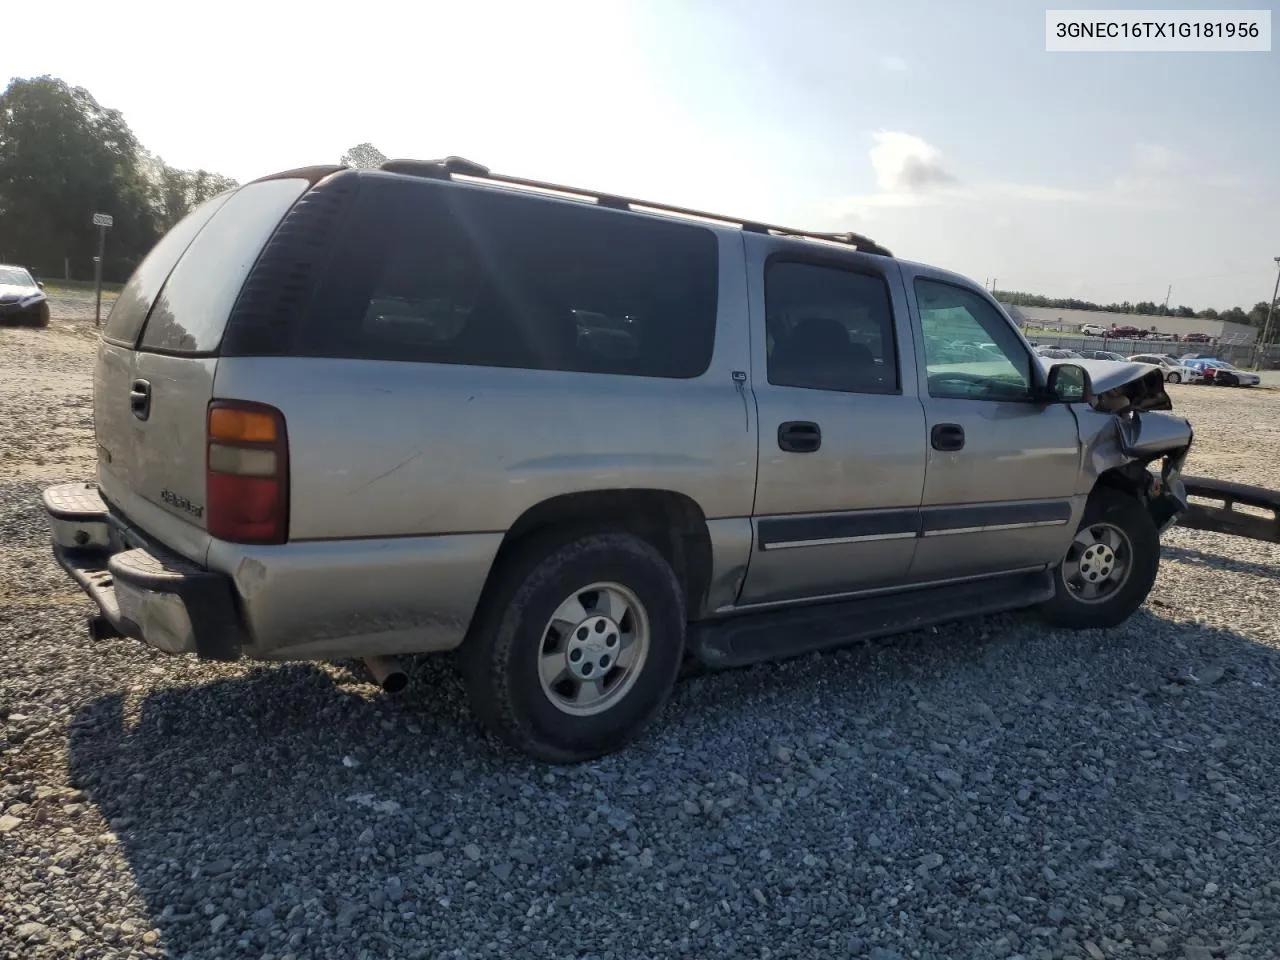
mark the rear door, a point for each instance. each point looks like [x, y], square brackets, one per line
[151, 400]
[842, 445]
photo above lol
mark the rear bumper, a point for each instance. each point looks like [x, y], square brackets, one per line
[141, 589]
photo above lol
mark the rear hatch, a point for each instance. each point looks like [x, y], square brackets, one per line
[154, 375]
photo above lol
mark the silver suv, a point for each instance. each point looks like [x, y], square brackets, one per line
[581, 439]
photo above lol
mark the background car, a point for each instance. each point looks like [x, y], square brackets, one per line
[22, 298]
[1175, 371]
[1222, 373]
[1101, 355]
[1058, 353]
[1093, 330]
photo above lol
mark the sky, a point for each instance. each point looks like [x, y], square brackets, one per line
[941, 129]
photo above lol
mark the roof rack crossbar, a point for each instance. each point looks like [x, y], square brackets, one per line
[451, 167]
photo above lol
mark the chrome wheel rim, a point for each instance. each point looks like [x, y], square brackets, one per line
[593, 649]
[1098, 563]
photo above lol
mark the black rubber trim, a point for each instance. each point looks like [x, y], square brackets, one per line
[936, 519]
[878, 523]
[208, 597]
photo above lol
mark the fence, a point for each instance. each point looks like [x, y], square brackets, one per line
[1240, 354]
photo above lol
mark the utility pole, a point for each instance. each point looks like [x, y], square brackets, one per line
[102, 221]
[1168, 293]
[1263, 342]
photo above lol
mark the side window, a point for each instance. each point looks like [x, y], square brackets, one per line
[191, 312]
[435, 273]
[971, 351]
[829, 329]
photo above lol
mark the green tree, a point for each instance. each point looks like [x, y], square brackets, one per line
[364, 156]
[63, 158]
[175, 193]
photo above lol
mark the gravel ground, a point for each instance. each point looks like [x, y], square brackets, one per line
[990, 789]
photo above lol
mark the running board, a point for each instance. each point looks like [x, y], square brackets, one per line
[748, 638]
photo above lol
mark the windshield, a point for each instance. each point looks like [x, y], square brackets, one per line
[16, 276]
[1222, 364]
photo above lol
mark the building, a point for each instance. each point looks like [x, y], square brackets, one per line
[1070, 321]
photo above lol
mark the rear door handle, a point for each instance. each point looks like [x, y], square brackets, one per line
[140, 399]
[799, 436]
[947, 436]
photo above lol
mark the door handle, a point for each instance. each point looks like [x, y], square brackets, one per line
[799, 436]
[140, 399]
[947, 436]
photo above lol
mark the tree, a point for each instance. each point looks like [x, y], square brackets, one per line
[63, 158]
[1258, 314]
[364, 156]
[175, 193]
[1184, 311]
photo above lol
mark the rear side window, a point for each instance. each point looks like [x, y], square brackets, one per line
[135, 300]
[829, 328]
[191, 311]
[440, 274]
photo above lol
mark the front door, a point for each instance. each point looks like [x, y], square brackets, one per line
[1003, 467]
[842, 448]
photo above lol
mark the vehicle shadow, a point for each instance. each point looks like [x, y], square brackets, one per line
[1217, 561]
[295, 810]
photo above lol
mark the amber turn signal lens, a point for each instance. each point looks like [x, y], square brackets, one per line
[241, 426]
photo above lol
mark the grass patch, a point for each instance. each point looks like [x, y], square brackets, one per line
[62, 288]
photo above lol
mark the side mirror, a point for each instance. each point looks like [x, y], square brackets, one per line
[40, 284]
[1069, 383]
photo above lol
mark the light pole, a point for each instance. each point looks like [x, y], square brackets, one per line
[1264, 345]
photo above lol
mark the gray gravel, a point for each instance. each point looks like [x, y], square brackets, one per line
[990, 789]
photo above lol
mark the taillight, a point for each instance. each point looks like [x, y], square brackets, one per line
[247, 473]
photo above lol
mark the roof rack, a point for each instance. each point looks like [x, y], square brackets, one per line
[451, 167]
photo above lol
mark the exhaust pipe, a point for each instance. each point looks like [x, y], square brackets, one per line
[100, 628]
[388, 673]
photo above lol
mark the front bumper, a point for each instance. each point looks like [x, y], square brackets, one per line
[141, 589]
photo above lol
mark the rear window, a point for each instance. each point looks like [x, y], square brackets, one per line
[134, 303]
[440, 274]
[191, 311]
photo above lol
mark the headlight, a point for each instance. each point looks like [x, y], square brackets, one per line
[32, 300]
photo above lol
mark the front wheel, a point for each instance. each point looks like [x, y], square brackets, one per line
[1110, 566]
[1174, 378]
[580, 647]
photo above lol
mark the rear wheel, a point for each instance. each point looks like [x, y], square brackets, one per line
[1174, 378]
[1110, 566]
[579, 648]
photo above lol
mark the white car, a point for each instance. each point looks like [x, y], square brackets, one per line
[1093, 330]
[1174, 370]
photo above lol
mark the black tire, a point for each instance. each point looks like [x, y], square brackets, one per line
[500, 659]
[1126, 514]
[1174, 378]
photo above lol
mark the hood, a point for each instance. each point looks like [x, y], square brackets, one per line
[23, 290]
[1123, 385]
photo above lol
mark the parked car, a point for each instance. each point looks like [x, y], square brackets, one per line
[1102, 355]
[1197, 338]
[1058, 353]
[22, 298]
[1129, 333]
[1174, 370]
[348, 413]
[1221, 373]
[1093, 329]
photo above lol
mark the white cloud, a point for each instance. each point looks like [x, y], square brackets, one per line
[910, 172]
[906, 163]
[1154, 158]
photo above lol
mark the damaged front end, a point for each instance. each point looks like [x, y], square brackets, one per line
[1128, 429]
